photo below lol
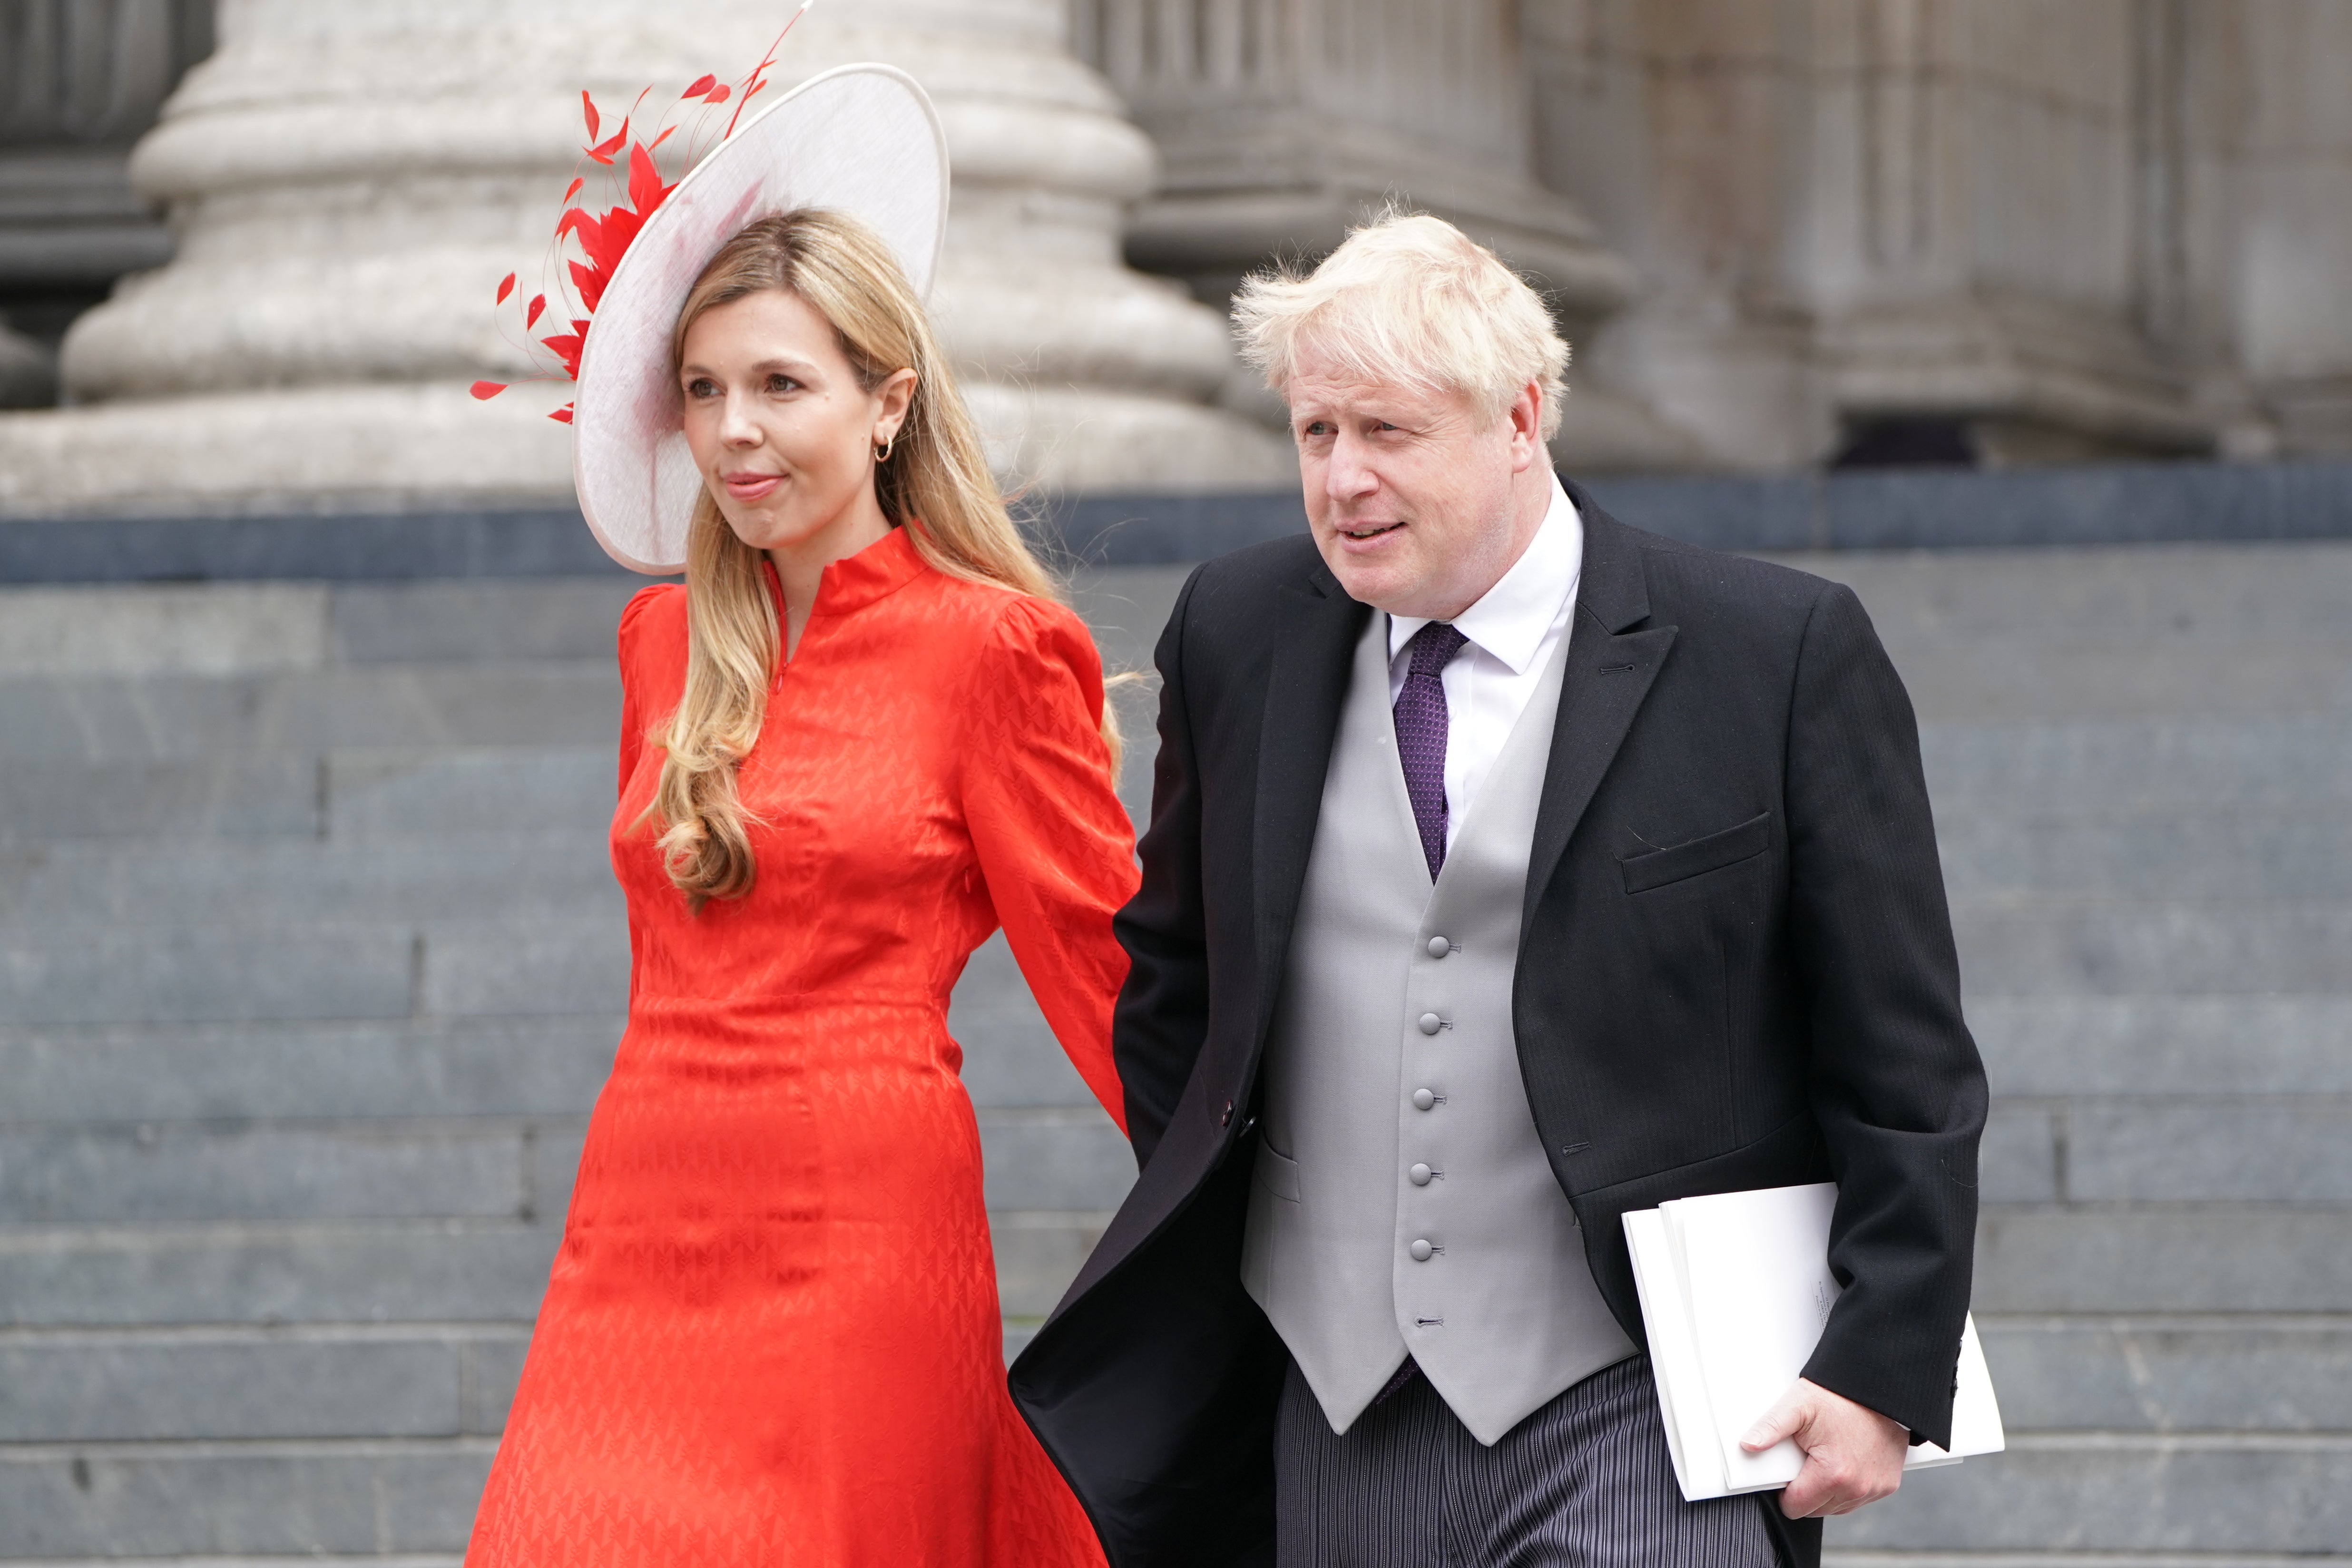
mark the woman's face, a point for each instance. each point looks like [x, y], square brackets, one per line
[780, 429]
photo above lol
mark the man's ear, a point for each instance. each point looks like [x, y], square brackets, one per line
[1527, 428]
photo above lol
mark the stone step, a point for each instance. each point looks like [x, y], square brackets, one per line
[169, 718]
[232, 796]
[390, 792]
[485, 620]
[2088, 768]
[2141, 594]
[154, 1172]
[2172, 1374]
[323, 969]
[2285, 1150]
[2123, 1492]
[2043, 1260]
[2157, 1043]
[386, 1271]
[2151, 947]
[336, 1069]
[247, 1383]
[2159, 1373]
[2182, 852]
[418, 877]
[380, 1497]
[2019, 682]
[63, 1076]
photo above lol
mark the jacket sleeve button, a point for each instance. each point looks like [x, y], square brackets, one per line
[1430, 1023]
[1225, 1117]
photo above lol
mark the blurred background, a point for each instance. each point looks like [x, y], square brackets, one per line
[2030, 319]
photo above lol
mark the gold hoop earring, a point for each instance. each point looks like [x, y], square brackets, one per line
[882, 449]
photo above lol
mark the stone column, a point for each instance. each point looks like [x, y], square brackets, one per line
[79, 80]
[1863, 215]
[1283, 121]
[349, 184]
[2267, 94]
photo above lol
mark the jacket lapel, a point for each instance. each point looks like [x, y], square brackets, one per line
[1306, 688]
[1610, 671]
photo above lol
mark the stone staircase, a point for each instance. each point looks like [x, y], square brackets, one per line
[311, 965]
[2141, 762]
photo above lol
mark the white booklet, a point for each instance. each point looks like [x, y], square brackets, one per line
[1735, 1290]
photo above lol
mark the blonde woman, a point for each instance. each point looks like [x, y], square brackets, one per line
[861, 736]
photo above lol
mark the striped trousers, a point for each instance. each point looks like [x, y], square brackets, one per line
[1584, 1482]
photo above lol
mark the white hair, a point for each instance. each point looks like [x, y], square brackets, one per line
[1408, 299]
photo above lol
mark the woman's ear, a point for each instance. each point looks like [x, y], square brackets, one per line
[897, 394]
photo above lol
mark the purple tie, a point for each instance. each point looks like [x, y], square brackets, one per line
[1420, 735]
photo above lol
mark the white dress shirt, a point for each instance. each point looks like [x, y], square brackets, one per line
[1512, 630]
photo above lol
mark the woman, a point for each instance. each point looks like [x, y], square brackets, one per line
[861, 736]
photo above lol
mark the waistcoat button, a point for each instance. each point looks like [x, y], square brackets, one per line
[1439, 947]
[1421, 1251]
[1423, 1099]
[1420, 1175]
[1430, 1023]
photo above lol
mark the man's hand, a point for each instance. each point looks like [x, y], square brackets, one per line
[1853, 1454]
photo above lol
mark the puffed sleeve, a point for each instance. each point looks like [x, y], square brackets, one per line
[1054, 842]
[635, 648]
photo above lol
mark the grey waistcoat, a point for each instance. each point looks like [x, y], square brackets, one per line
[1352, 1174]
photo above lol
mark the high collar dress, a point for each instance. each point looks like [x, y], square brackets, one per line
[770, 1336]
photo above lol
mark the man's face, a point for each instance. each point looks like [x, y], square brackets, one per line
[1417, 503]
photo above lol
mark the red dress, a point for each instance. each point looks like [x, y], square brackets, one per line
[770, 1336]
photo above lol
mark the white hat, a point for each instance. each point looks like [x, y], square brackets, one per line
[862, 140]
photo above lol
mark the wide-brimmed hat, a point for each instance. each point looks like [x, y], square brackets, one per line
[862, 140]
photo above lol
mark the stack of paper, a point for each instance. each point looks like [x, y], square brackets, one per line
[1735, 1289]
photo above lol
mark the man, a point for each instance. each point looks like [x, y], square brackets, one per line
[1509, 869]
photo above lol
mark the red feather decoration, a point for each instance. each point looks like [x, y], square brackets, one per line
[588, 105]
[531, 315]
[485, 390]
[506, 288]
[702, 84]
[563, 415]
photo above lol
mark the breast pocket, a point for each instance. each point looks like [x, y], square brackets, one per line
[1681, 862]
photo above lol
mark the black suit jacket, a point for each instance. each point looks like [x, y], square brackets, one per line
[1736, 970]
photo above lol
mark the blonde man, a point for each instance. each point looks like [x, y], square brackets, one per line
[1509, 869]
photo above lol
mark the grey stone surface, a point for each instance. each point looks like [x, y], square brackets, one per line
[2157, 854]
[191, 971]
[279, 1500]
[102, 718]
[536, 968]
[2019, 1162]
[308, 950]
[538, 790]
[2208, 1149]
[1055, 1158]
[2154, 948]
[229, 796]
[238, 1386]
[2024, 770]
[415, 876]
[1038, 1253]
[2239, 1257]
[157, 629]
[1010, 1057]
[2177, 1373]
[362, 1069]
[2125, 1492]
[2160, 1044]
[180, 1170]
[467, 1272]
[484, 620]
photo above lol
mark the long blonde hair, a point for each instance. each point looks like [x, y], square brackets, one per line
[936, 485]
